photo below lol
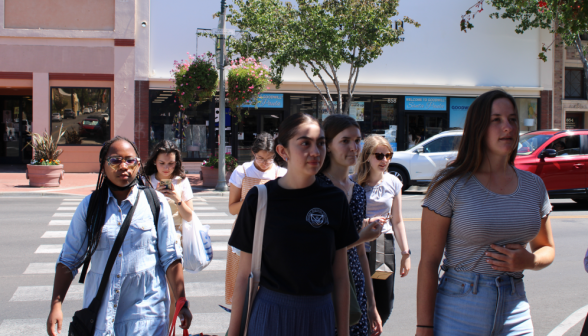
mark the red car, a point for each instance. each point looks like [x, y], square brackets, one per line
[92, 126]
[560, 158]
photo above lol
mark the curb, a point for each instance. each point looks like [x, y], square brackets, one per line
[37, 194]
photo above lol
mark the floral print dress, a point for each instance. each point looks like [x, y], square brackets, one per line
[357, 206]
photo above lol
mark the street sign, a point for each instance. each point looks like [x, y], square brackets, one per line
[221, 31]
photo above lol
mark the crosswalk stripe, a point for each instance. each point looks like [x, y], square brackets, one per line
[25, 327]
[219, 246]
[73, 199]
[63, 214]
[59, 222]
[53, 248]
[44, 268]
[216, 265]
[199, 203]
[219, 233]
[205, 208]
[70, 203]
[54, 234]
[218, 221]
[66, 208]
[210, 323]
[202, 289]
[44, 293]
[211, 214]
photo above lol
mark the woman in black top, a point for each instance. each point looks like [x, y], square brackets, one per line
[308, 228]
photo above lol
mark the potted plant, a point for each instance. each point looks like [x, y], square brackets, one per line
[196, 79]
[45, 170]
[210, 170]
[247, 79]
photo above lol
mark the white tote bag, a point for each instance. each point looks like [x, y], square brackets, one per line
[196, 244]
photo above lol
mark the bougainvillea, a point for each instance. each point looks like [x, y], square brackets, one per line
[246, 80]
[196, 79]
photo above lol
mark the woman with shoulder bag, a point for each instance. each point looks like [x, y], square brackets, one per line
[166, 174]
[343, 136]
[384, 198]
[259, 171]
[481, 212]
[308, 227]
[134, 301]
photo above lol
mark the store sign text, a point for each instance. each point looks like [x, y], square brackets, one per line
[269, 100]
[421, 103]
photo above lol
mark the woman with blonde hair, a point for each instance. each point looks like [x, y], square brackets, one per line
[383, 194]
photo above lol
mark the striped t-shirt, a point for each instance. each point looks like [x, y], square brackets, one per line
[480, 217]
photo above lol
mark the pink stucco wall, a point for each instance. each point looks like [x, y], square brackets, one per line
[59, 14]
[124, 92]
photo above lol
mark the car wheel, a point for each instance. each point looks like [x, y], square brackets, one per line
[401, 175]
[581, 201]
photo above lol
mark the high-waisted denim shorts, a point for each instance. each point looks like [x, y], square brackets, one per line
[474, 304]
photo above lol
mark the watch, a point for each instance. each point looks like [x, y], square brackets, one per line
[406, 252]
[178, 203]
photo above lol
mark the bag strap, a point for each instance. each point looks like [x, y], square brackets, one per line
[153, 200]
[258, 234]
[113, 253]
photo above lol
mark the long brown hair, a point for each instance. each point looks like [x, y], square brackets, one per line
[472, 149]
[333, 125]
[165, 147]
[363, 167]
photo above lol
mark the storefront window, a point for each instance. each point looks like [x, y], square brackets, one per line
[84, 114]
[304, 103]
[385, 114]
[188, 129]
[527, 113]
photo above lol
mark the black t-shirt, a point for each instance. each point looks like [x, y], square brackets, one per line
[304, 228]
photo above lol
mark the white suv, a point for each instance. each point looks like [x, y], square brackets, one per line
[419, 164]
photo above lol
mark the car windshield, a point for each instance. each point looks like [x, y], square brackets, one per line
[529, 142]
[91, 122]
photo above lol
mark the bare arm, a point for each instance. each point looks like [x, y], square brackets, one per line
[185, 209]
[239, 293]
[375, 322]
[175, 275]
[341, 291]
[369, 232]
[434, 230]
[400, 233]
[63, 279]
[235, 202]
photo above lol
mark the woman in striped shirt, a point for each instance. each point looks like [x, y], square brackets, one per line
[482, 212]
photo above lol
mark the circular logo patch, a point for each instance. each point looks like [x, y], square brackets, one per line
[317, 218]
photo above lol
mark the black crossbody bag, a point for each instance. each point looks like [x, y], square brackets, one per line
[84, 321]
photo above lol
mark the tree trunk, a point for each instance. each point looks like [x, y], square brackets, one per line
[580, 49]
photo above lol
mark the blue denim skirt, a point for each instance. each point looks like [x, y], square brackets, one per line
[474, 304]
[277, 314]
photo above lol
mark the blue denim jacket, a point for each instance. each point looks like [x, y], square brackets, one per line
[136, 300]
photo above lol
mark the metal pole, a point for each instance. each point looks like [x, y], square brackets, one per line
[222, 183]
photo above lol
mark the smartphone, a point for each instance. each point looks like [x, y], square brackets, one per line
[166, 182]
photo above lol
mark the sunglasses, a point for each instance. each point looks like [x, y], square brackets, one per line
[116, 161]
[381, 156]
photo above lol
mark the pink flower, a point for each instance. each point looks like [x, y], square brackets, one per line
[181, 84]
[183, 93]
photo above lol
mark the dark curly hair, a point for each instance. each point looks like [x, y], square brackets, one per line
[165, 147]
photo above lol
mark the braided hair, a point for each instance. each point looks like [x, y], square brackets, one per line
[96, 212]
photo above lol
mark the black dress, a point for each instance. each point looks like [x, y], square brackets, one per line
[357, 206]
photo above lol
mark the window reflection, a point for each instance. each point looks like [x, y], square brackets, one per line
[84, 114]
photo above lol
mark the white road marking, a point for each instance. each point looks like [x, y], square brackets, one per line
[41, 268]
[204, 208]
[199, 203]
[211, 214]
[202, 289]
[44, 293]
[59, 222]
[216, 265]
[63, 214]
[219, 233]
[50, 249]
[217, 221]
[26, 327]
[66, 208]
[70, 203]
[54, 234]
[219, 246]
[210, 323]
[569, 322]
[73, 199]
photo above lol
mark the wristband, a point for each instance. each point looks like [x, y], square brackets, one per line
[425, 326]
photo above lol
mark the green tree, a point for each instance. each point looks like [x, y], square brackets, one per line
[318, 37]
[567, 18]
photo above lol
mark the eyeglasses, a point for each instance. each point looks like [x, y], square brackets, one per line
[116, 161]
[260, 160]
[380, 156]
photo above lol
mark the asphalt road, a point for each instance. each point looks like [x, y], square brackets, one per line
[26, 276]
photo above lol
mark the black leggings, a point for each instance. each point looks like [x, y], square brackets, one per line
[384, 294]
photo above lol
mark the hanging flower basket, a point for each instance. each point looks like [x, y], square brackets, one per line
[247, 79]
[196, 79]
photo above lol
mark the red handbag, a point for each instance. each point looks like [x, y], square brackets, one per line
[172, 328]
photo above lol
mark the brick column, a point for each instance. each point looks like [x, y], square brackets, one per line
[142, 118]
[546, 109]
[558, 85]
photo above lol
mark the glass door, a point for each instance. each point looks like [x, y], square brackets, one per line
[420, 127]
[16, 127]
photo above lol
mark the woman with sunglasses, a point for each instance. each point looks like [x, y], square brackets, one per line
[165, 164]
[259, 171]
[383, 193]
[135, 300]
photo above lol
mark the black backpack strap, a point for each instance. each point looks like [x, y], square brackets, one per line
[154, 203]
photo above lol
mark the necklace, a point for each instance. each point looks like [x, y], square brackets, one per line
[348, 191]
